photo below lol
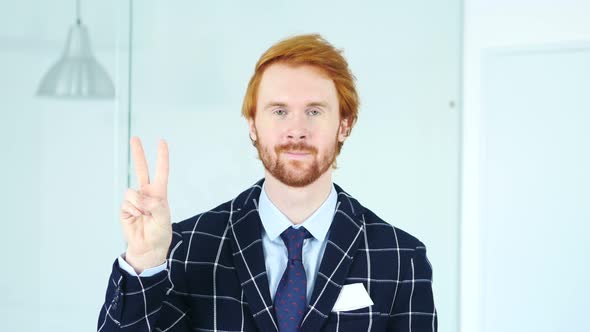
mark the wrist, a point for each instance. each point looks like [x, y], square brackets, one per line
[144, 261]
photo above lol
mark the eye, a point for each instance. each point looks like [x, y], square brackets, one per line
[280, 111]
[314, 112]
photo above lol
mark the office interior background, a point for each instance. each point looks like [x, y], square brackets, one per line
[473, 135]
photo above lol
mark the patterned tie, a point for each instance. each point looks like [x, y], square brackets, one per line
[289, 300]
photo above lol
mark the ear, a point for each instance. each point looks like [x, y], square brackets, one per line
[343, 130]
[252, 129]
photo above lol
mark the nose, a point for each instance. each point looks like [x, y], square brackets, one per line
[295, 136]
[297, 129]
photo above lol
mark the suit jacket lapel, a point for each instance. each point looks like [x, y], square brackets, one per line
[245, 232]
[248, 255]
[344, 237]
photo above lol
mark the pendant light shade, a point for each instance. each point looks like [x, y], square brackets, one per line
[77, 74]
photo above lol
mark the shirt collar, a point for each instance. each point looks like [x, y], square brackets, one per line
[275, 222]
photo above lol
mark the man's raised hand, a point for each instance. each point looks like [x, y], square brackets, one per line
[145, 214]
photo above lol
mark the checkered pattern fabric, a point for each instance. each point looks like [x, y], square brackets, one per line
[216, 279]
[290, 297]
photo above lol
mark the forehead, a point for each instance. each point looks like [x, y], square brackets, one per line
[288, 83]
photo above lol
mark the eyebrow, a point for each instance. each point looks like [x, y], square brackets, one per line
[279, 104]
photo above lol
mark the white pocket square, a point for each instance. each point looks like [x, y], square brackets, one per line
[351, 297]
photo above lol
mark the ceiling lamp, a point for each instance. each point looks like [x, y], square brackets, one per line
[77, 74]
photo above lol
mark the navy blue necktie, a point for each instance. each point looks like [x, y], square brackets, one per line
[289, 299]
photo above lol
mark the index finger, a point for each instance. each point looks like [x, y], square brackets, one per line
[141, 167]
[162, 168]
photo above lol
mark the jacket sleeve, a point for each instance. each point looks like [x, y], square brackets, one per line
[413, 308]
[153, 303]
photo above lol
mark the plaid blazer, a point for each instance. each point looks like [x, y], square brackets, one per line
[216, 277]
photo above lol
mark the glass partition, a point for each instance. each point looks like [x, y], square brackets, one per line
[192, 62]
[60, 161]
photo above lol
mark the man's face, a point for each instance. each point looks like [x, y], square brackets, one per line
[297, 125]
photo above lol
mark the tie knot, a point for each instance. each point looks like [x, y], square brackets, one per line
[293, 238]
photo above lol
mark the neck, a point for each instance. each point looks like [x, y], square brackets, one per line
[298, 203]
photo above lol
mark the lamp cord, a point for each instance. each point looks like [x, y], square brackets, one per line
[78, 18]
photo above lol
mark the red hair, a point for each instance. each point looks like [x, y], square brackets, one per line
[310, 50]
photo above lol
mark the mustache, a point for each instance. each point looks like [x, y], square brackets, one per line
[298, 147]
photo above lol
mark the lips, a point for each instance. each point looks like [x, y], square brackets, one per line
[296, 150]
[297, 154]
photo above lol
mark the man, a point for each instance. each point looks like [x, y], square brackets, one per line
[294, 252]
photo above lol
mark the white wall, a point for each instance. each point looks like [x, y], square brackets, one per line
[516, 25]
[19, 202]
[193, 60]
